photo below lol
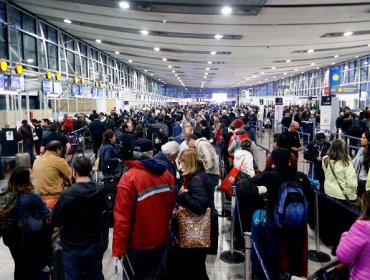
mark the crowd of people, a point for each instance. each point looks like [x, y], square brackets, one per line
[167, 158]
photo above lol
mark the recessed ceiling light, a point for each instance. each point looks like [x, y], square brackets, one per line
[164, 20]
[30, 60]
[335, 56]
[296, 69]
[205, 77]
[116, 52]
[124, 5]
[273, 77]
[219, 36]
[98, 41]
[130, 61]
[262, 73]
[311, 51]
[288, 60]
[273, 67]
[145, 70]
[169, 66]
[157, 49]
[254, 76]
[348, 33]
[226, 10]
[176, 75]
[213, 52]
[333, 63]
[260, 81]
[368, 45]
[266, 79]
[173, 71]
[238, 83]
[67, 20]
[356, 56]
[366, 63]
[207, 69]
[205, 73]
[291, 75]
[302, 72]
[164, 59]
[313, 63]
[209, 62]
[144, 32]
[152, 74]
[317, 68]
[284, 73]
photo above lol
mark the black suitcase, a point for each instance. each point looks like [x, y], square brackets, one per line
[57, 260]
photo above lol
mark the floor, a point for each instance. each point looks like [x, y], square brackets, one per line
[216, 268]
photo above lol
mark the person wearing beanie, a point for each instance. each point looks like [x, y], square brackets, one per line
[143, 208]
[282, 241]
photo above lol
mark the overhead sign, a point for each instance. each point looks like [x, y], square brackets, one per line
[335, 77]
[47, 86]
[15, 82]
[94, 91]
[81, 90]
[278, 101]
[325, 100]
[2, 81]
[344, 89]
[58, 89]
[261, 101]
[74, 90]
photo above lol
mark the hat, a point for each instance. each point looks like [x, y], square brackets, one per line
[320, 136]
[143, 145]
[238, 123]
[150, 121]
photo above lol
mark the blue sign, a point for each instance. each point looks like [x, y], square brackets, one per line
[325, 100]
[15, 82]
[94, 91]
[99, 94]
[74, 90]
[335, 77]
[109, 93]
[81, 90]
[278, 101]
[47, 86]
[2, 81]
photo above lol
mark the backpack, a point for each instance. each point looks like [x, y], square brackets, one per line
[291, 207]
[8, 213]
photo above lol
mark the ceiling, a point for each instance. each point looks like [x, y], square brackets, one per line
[259, 36]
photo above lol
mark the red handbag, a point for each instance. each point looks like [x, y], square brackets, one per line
[226, 184]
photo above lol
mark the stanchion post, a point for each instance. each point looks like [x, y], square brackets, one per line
[248, 250]
[232, 256]
[317, 255]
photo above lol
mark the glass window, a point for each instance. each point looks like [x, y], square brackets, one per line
[83, 48]
[52, 35]
[84, 66]
[2, 12]
[29, 49]
[78, 65]
[71, 62]
[41, 54]
[53, 56]
[94, 54]
[68, 42]
[28, 24]
[15, 46]
[3, 42]
[15, 17]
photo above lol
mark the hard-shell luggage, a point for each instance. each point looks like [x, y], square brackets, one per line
[57, 260]
[23, 160]
[259, 236]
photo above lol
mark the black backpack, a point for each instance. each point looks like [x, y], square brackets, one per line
[8, 213]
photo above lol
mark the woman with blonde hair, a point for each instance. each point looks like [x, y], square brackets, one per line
[196, 195]
[340, 184]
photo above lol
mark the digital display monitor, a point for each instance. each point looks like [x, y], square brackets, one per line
[74, 90]
[15, 82]
[94, 91]
[2, 81]
[81, 90]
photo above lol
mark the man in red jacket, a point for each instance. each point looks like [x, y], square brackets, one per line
[143, 207]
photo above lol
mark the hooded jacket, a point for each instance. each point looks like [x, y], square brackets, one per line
[144, 203]
[354, 248]
[79, 213]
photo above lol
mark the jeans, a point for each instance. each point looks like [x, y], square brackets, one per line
[28, 148]
[83, 260]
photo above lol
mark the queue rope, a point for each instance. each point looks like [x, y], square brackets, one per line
[254, 244]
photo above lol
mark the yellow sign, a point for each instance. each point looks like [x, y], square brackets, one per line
[19, 69]
[49, 75]
[82, 81]
[340, 89]
[4, 65]
[75, 80]
[58, 76]
[97, 84]
[336, 77]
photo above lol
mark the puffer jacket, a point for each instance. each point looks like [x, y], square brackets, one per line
[354, 248]
[209, 156]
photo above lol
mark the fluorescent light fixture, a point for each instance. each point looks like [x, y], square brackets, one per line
[98, 41]
[238, 83]
[30, 60]
[284, 73]
[219, 36]
[205, 73]
[145, 70]
[348, 33]
[67, 21]
[273, 77]
[335, 56]
[209, 62]
[368, 45]
[207, 69]
[116, 52]
[356, 56]
[157, 49]
[317, 68]
[296, 69]
[254, 76]
[144, 32]
[260, 81]
[226, 10]
[266, 79]
[164, 59]
[273, 67]
[262, 73]
[176, 75]
[213, 52]
[313, 64]
[288, 60]
[124, 5]
[164, 21]
[173, 71]
[130, 61]
[311, 51]
[152, 74]
[205, 77]
[169, 66]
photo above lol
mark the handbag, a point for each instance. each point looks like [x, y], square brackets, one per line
[96, 166]
[353, 203]
[193, 230]
[229, 180]
[35, 137]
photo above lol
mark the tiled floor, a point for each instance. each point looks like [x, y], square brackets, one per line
[217, 269]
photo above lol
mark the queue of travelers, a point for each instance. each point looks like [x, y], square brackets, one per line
[166, 159]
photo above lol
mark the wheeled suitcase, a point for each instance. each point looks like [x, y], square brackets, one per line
[23, 160]
[57, 260]
[259, 236]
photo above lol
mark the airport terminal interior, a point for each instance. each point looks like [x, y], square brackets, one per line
[183, 139]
